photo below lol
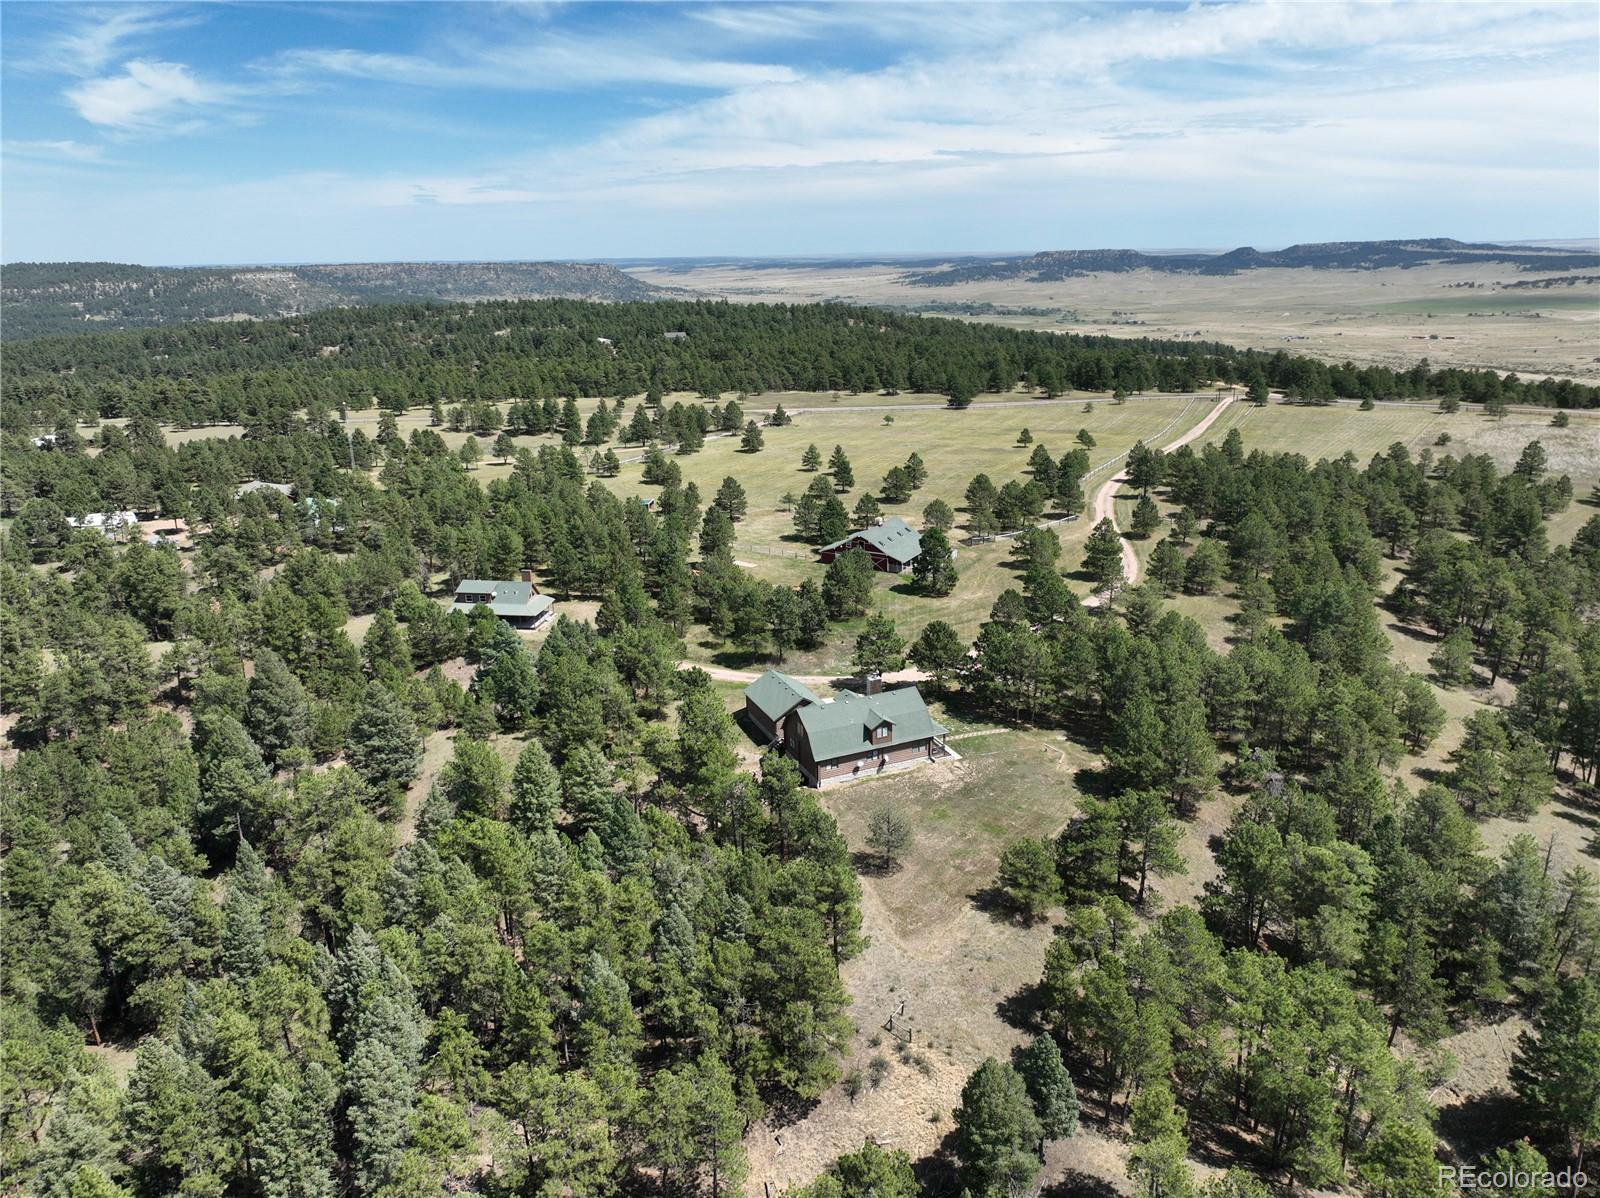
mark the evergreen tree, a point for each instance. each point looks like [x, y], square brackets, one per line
[844, 477]
[889, 833]
[879, 649]
[1028, 877]
[997, 1133]
[937, 516]
[1556, 1069]
[535, 790]
[1146, 517]
[1050, 1088]
[383, 746]
[277, 713]
[1102, 557]
[938, 650]
[730, 499]
[934, 566]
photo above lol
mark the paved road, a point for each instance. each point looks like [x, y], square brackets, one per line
[1105, 498]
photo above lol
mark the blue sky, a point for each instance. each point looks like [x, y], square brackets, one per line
[213, 133]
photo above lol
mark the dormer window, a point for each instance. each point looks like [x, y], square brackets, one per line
[882, 731]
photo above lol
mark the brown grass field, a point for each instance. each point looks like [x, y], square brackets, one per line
[1453, 315]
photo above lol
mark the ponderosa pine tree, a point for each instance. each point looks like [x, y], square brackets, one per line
[997, 1133]
[1028, 877]
[1050, 1088]
[383, 745]
[1102, 557]
[938, 650]
[934, 567]
[1556, 1070]
[889, 833]
[879, 649]
[277, 715]
[844, 477]
[938, 515]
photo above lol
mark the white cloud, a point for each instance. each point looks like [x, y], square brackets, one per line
[146, 96]
[94, 37]
[65, 150]
[550, 63]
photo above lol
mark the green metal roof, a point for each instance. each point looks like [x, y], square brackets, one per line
[775, 694]
[843, 727]
[506, 598]
[894, 538]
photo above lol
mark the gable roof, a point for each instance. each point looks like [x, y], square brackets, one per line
[508, 598]
[839, 729]
[894, 538]
[775, 695]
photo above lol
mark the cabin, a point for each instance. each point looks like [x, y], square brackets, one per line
[892, 545]
[517, 602]
[108, 524]
[257, 484]
[852, 736]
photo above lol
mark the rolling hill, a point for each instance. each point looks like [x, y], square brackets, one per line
[40, 299]
[1053, 265]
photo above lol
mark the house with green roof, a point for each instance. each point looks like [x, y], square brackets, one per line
[851, 736]
[517, 602]
[892, 545]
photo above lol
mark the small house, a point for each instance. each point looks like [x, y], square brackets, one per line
[892, 545]
[257, 484]
[853, 736]
[108, 524]
[517, 602]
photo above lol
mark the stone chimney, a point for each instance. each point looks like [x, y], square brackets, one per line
[527, 576]
[872, 684]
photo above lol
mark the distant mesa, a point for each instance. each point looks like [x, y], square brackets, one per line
[43, 299]
[1052, 266]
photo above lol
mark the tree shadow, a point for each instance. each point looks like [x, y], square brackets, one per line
[1095, 781]
[872, 865]
[1024, 1010]
[785, 1109]
[1074, 1183]
[936, 1172]
[1222, 1145]
[992, 901]
[1476, 1124]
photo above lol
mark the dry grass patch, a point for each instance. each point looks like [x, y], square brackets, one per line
[933, 948]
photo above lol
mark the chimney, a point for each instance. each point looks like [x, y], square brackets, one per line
[527, 576]
[872, 684]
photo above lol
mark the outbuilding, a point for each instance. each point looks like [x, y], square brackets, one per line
[892, 545]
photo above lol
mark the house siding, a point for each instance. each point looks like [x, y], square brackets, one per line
[880, 560]
[759, 721]
[856, 765]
